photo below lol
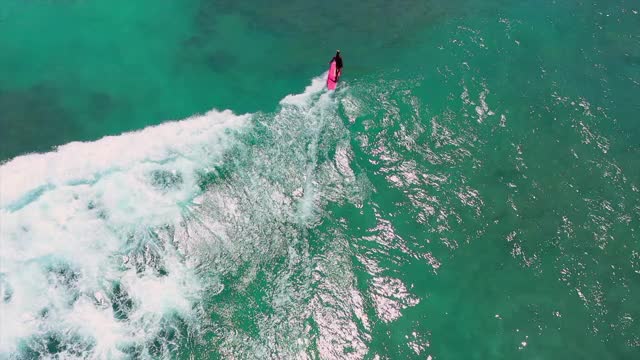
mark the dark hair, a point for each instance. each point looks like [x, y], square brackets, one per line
[337, 53]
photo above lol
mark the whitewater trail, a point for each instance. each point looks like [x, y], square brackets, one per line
[98, 238]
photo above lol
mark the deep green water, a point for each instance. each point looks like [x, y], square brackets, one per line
[471, 191]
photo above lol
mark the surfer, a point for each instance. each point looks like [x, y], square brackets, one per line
[338, 60]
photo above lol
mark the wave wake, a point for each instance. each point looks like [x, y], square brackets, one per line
[119, 247]
[88, 266]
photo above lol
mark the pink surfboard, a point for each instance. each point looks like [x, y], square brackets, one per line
[332, 79]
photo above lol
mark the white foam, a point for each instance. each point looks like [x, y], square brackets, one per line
[87, 161]
[87, 216]
[317, 86]
[66, 215]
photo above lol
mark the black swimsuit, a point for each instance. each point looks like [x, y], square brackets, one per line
[338, 61]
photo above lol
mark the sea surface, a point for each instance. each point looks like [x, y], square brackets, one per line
[177, 183]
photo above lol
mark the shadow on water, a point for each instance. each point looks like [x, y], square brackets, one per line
[219, 60]
[100, 104]
[378, 17]
[33, 120]
[363, 29]
[36, 120]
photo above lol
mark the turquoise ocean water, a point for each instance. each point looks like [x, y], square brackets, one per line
[177, 183]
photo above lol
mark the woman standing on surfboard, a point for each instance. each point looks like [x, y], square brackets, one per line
[338, 60]
[335, 70]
